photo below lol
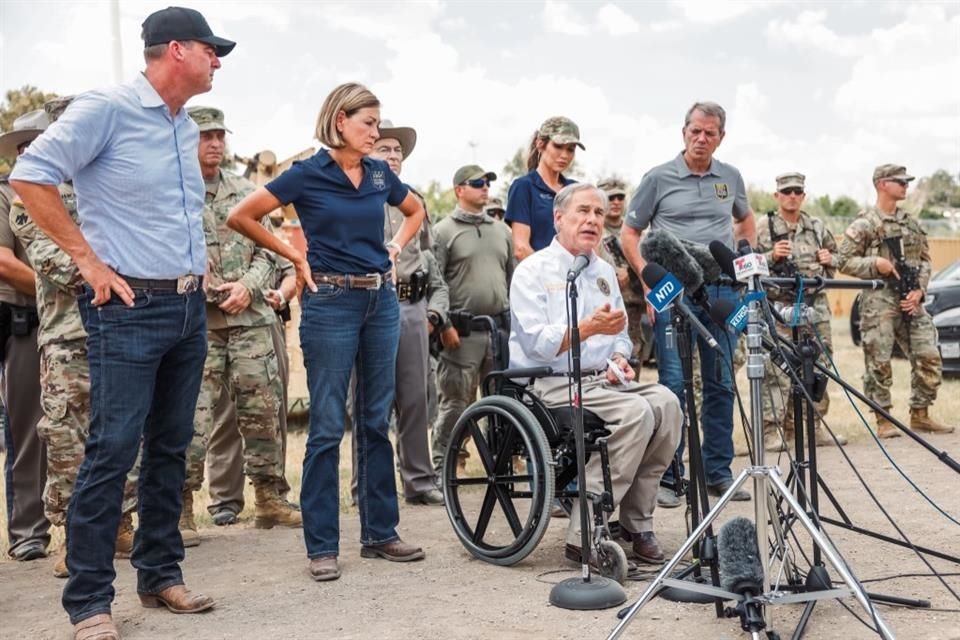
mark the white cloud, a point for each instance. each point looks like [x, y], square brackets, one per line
[559, 17]
[809, 31]
[616, 21]
[712, 11]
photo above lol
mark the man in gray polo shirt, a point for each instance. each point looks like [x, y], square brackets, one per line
[701, 199]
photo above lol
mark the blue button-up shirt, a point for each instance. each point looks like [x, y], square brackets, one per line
[137, 177]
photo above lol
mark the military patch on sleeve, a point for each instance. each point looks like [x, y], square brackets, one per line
[604, 286]
[19, 217]
[723, 192]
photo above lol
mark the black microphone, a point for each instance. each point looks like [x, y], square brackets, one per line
[743, 247]
[686, 260]
[741, 571]
[579, 264]
[724, 256]
[655, 277]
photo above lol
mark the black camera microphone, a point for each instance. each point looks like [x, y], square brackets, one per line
[579, 264]
[724, 257]
[664, 249]
[657, 280]
[740, 569]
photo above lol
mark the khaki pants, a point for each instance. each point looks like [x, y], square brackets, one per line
[644, 421]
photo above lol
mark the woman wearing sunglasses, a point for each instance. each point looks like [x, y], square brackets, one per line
[350, 317]
[530, 200]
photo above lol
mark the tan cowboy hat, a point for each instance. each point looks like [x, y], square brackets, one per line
[406, 135]
[25, 129]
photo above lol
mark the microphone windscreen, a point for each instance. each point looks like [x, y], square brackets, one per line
[740, 567]
[652, 274]
[663, 248]
[701, 255]
[724, 257]
[743, 247]
[720, 310]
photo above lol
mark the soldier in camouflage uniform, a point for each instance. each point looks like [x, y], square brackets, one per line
[884, 317]
[630, 285]
[241, 361]
[806, 244]
[64, 371]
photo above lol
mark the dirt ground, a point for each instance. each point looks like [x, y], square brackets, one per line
[262, 589]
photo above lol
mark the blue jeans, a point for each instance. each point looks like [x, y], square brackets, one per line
[340, 329]
[146, 363]
[717, 406]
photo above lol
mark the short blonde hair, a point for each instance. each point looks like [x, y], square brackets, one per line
[348, 98]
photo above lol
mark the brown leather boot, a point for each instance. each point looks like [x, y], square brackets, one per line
[177, 599]
[270, 510]
[885, 428]
[124, 537]
[920, 420]
[188, 526]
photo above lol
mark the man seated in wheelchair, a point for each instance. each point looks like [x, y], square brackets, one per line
[644, 420]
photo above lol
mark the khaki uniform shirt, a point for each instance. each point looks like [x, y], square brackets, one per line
[8, 240]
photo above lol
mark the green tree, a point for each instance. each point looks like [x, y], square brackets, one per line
[844, 207]
[761, 201]
[440, 201]
[16, 103]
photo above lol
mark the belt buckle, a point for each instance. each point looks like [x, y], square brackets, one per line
[186, 284]
[379, 280]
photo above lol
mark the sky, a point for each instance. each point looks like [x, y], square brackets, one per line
[827, 89]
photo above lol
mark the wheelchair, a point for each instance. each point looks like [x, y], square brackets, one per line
[501, 507]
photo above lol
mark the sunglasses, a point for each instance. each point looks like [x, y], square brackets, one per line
[902, 183]
[478, 183]
[792, 191]
[617, 198]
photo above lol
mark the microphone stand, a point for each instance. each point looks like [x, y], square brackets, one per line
[765, 478]
[588, 592]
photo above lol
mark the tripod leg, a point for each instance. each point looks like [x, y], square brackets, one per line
[657, 584]
[773, 476]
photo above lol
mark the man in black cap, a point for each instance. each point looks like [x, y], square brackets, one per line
[131, 152]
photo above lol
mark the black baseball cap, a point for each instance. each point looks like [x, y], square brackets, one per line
[180, 23]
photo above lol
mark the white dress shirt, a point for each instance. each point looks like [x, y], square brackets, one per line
[538, 304]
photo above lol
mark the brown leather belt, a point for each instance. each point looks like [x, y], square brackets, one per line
[348, 281]
[182, 285]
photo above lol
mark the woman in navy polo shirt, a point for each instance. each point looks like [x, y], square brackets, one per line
[350, 317]
[530, 200]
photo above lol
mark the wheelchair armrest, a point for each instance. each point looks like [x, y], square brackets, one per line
[527, 372]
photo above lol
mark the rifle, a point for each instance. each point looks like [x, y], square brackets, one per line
[786, 268]
[909, 276]
[612, 245]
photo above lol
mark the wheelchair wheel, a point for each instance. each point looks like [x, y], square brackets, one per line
[613, 561]
[499, 505]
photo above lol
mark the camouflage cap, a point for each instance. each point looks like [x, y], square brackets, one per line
[56, 107]
[472, 172]
[208, 118]
[494, 204]
[25, 129]
[791, 179]
[561, 130]
[613, 187]
[891, 172]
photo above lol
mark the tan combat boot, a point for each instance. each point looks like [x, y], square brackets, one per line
[772, 441]
[188, 527]
[124, 537]
[270, 510]
[823, 438]
[920, 420]
[886, 429]
[60, 566]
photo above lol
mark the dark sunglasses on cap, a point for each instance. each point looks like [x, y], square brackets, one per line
[477, 183]
[618, 197]
[792, 191]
